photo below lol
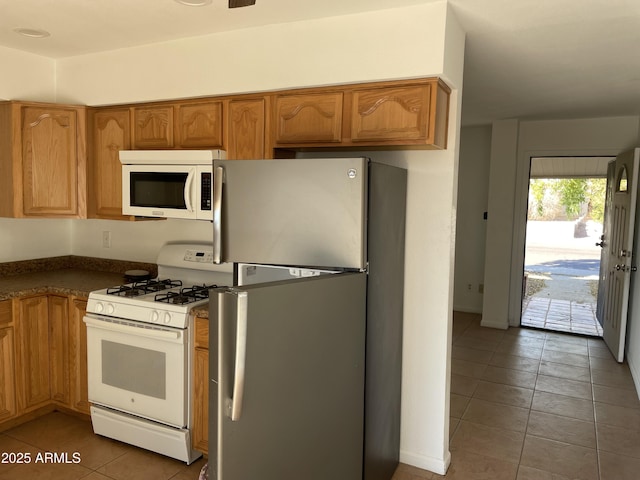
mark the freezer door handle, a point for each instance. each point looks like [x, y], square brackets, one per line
[241, 355]
[218, 179]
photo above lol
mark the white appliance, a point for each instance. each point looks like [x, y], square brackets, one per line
[168, 183]
[306, 383]
[139, 351]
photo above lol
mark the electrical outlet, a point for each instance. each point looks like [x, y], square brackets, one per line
[469, 286]
[106, 239]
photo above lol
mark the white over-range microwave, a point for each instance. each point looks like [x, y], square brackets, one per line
[168, 183]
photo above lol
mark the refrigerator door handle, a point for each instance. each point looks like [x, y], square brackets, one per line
[218, 179]
[241, 355]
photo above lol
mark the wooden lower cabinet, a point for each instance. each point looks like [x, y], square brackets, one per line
[43, 355]
[59, 348]
[32, 353]
[79, 400]
[200, 420]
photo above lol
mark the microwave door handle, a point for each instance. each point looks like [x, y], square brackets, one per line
[218, 178]
[188, 193]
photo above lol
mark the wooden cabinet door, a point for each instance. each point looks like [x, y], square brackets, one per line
[199, 124]
[32, 353]
[201, 400]
[7, 374]
[49, 161]
[59, 349]
[246, 129]
[308, 118]
[78, 355]
[390, 113]
[153, 127]
[110, 134]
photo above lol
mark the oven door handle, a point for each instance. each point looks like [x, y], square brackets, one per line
[169, 335]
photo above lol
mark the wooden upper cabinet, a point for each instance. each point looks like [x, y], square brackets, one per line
[199, 125]
[49, 161]
[308, 118]
[390, 113]
[400, 115]
[110, 133]
[246, 129]
[153, 127]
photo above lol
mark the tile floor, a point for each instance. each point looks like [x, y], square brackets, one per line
[561, 315]
[100, 458]
[534, 405]
[525, 405]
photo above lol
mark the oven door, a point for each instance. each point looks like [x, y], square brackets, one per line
[138, 368]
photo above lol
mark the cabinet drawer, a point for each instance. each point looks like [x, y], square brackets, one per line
[6, 312]
[202, 332]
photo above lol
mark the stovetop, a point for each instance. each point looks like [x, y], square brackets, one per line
[185, 274]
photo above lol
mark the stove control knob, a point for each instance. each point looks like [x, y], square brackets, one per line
[110, 308]
[155, 316]
[99, 307]
[167, 318]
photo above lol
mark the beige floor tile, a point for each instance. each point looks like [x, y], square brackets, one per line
[52, 431]
[477, 343]
[564, 338]
[562, 405]
[497, 415]
[506, 394]
[600, 352]
[520, 350]
[582, 374]
[192, 472]
[471, 466]
[96, 451]
[618, 416]
[493, 335]
[458, 405]
[575, 462]
[462, 385]
[565, 358]
[509, 376]
[563, 386]
[42, 470]
[467, 369]
[534, 342]
[618, 379]
[618, 467]
[453, 426]
[492, 442]
[99, 476]
[607, 364]
[563, 429]
[529, 473]
[623, 441]
[409, 472]
[141, 465]
[514, 362]
[616, 396]
[471, 354]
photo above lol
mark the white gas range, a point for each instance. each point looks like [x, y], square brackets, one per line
[140, 347]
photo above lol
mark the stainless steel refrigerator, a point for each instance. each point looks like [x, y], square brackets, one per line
[306, 381]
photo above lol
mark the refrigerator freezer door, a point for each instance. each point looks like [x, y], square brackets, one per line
[303, 212]
[297, 361]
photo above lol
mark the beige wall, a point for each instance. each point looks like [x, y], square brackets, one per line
[352, 48]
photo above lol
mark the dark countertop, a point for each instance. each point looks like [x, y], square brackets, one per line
[69, 275]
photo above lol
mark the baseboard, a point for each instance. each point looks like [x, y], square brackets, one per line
[487, 323]
[435, 465]
[635, 374]
[463, 309]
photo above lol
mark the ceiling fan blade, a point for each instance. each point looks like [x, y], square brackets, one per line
[241, 3]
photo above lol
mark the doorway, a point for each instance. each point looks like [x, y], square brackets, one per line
[562, 259]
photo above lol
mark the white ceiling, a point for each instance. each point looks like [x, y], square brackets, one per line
[524, 58]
